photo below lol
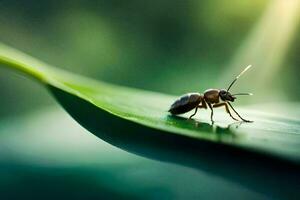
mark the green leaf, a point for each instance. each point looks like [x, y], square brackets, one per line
[262, 152]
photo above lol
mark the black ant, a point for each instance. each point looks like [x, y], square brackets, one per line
[212, 97]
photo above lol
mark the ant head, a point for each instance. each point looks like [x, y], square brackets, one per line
[226, 96]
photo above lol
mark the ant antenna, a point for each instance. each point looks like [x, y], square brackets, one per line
[242, 94]
[238, 76]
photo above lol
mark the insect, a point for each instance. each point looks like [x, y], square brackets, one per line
[211, 98]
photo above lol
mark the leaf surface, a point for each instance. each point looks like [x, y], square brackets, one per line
[137, 121]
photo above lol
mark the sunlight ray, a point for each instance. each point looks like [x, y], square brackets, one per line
[267, 44]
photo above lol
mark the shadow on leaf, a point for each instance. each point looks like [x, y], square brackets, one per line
[259, 172]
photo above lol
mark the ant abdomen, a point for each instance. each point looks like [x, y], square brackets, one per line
[185, 103]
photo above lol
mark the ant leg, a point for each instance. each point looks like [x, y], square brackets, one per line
[226, 108]
[203, 105]
[238, 113]
[194, 113]
[212, 112]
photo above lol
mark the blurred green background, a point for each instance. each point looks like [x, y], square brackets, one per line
[169, 46]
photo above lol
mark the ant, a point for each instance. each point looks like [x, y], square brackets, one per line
[212, 97]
